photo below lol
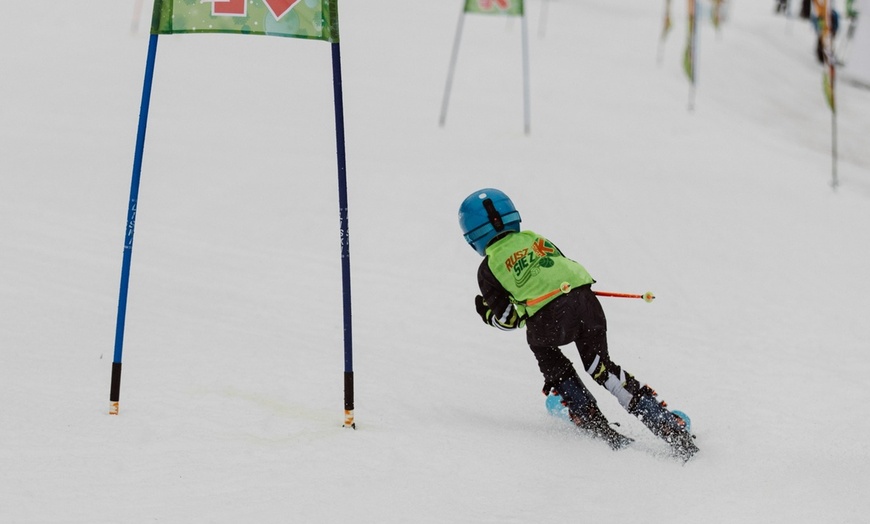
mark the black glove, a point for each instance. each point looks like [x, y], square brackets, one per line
[482, 309]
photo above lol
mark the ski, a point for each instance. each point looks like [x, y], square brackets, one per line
[682, 445]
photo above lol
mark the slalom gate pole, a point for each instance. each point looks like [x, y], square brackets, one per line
[832, 73]
[453, 55]
[666, 28]
[542, 21]
[835, 182]
[646, 297]
[345, 236]
[526, 103]
[115, 389]
[693, 51]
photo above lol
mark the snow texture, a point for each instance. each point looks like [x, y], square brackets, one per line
[231, 397]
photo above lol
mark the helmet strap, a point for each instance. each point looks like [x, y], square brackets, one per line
[492, 213]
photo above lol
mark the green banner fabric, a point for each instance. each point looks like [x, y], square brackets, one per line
[312, 19]
[496, 7]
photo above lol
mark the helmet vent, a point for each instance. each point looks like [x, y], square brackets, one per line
[493, 214]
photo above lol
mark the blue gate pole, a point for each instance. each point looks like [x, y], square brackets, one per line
[115, 390]
[345, 236]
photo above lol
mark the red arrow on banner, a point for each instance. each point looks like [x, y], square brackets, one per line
[501, 4]
[228, 7]
[280, 8]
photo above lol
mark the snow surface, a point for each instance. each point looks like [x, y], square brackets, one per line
[231, 398]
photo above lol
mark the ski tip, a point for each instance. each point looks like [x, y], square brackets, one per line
[554, 405]
[685, 418]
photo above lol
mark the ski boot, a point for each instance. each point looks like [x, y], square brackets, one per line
[664, 424]
[584, 413]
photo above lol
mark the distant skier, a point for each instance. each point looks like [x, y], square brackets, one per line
[526, 281]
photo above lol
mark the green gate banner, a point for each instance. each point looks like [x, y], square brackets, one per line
[497, 7]
[312, 19]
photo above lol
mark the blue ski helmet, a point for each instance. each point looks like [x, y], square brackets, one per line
[485, 214]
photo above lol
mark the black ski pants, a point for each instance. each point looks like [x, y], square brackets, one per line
[579, 318]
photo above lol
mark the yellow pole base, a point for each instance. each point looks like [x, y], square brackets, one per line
[348, 419]
[113, 408]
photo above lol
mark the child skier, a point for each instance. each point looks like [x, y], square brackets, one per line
[526, 281]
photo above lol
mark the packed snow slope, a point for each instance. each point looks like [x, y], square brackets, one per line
[231, 398]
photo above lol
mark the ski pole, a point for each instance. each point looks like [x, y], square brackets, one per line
[647, 297]
[566, 288]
